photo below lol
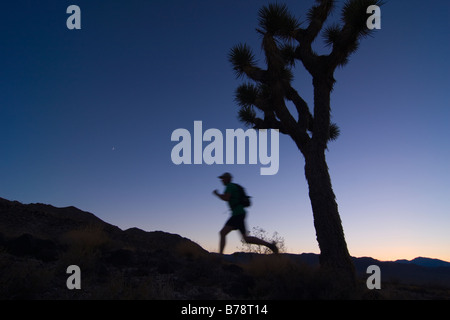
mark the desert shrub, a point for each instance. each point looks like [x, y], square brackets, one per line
[84, 246]
[263, 235]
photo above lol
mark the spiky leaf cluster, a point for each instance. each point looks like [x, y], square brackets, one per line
[354, 15]
[275, 19]
[241, 56]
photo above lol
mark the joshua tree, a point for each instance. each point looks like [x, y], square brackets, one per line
[284, 42]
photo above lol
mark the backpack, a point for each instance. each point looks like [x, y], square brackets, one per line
[244, 198]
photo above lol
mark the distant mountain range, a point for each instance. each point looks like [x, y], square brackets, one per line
[419, 271]
[426, 262]
[43, 240]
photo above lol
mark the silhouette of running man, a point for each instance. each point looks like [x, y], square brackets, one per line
[237, 220]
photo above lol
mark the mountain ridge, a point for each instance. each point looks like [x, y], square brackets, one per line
[425, 262]
[49, 222]
[76, 214]
[41, 240]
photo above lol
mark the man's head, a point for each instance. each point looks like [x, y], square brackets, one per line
[226, 178]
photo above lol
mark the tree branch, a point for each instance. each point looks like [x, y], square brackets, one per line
[305, 37]
[316, 16]
[255, 73]
[305, 118]
[269, 122]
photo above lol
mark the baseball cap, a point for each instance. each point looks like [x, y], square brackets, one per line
[225, 175]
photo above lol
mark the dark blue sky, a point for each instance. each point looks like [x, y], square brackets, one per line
[86, 118]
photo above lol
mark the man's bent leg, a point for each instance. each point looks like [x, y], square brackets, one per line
[254, 240]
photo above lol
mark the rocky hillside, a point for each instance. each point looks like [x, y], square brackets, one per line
[39, 242]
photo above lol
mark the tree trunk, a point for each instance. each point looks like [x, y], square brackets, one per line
[335, 259]
[334, 256]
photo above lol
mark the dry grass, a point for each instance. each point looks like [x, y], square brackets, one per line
[84, 246]
[278, 277]
[120, 286]
[23, 278]
[91, 236]
[398, 291]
